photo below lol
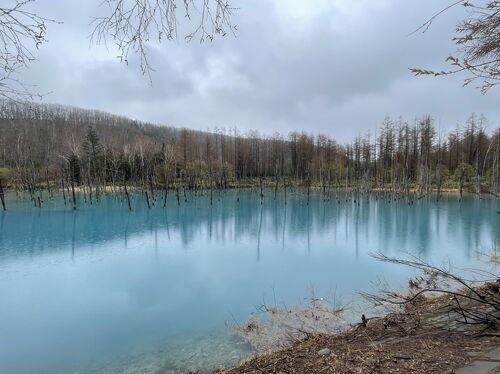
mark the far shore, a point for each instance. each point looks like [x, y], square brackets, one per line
[250, 186]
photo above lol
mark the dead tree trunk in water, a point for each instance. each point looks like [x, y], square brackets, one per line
[308, 192]
[73, 190]
[151, 187]
[439, 181]
[2, 197]
[276, 187]
[211, 193]
[63, 187]
[261, 192]
[165, 196]
[478, 178]
[461, 187]
[47, 180]
[127, 195]
[284, 187]
[323, 181]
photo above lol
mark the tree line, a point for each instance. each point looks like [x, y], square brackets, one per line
[60, 148]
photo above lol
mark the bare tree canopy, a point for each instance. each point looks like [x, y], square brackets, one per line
[478, 39]
[404, 162]
[20, 30]
[129, 24]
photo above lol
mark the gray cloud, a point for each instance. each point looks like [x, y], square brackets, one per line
[336, 67]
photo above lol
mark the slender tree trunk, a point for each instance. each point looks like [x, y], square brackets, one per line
[165, 196]
[47, 179]
[439, 183]
[73, 190]
[261, 192]
[127, 195]
[284, 187]
[90, 192]
[461, 183]
[2, 197]
[151, 187]
[211, 193]
[478, 178]
[63, 188]
[347, 180]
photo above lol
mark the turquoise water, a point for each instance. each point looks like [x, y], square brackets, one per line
[103, 289]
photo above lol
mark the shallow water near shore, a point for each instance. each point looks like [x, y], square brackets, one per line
[103, 289]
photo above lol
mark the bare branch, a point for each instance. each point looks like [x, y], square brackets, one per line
[472, 301]
[133, 24]
[20, 31]
[478, 39]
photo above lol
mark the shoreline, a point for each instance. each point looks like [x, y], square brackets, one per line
[419, 338]
[246, 187]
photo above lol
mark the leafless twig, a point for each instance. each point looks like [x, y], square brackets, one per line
[473, 301]
[20, 30]
[132, 24]
[478, 37]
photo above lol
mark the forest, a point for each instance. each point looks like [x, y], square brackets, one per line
[45, 147]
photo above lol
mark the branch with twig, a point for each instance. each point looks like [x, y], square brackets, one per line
[132, 24]
[470, 299]
[478, 39]
[21, 30]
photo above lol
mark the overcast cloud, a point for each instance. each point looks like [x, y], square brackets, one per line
[336, 67]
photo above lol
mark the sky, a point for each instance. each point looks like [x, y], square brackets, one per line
[336, 67]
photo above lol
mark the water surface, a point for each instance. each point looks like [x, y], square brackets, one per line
[103, 289]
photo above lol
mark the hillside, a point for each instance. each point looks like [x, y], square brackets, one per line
[46, 144]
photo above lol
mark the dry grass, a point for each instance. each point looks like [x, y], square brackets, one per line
[418, 339]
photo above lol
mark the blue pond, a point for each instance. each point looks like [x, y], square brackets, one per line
[103, 289]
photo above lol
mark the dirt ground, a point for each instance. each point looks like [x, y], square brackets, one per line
[421, 338]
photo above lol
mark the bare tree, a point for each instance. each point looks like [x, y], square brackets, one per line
[99, 150]
[472, 296]
[132, 24]
[478, 39]
[21, 30]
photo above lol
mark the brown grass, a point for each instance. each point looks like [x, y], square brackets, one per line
[417, 339]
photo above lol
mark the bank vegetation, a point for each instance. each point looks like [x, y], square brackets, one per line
[47, 148]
